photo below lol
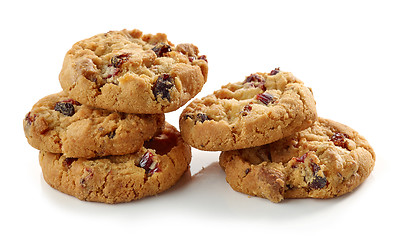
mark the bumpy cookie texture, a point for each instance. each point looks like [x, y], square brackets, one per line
[130, 72]
[326, 160]
[59, 124]
[113, 179]
[264, 108]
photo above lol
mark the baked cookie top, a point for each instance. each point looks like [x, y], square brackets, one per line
[130, 72]
[326, 160]
[154, 168]
[265, 107]
[59, 124]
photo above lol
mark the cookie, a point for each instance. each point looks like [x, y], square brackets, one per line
[264, 108]
[326, 160]
[130, 72]
[154, 168]
[59, 124]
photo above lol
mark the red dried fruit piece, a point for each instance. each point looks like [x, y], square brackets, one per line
[162, 86]
[254, 78]
[265, 98]
[147, 163]
[301, 158]
[339, 139]
[203, 57]
[30, 118]
[275, 71]
[247, 108]
[118, 60]
[68, 161]
[161, 48]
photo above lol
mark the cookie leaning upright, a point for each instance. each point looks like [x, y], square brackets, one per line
[264, 108]
[130, 72]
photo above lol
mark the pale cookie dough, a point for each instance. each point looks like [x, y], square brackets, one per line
[130, 72]
[264, 108]
[113, 179]
[326, 160]
[59, 124]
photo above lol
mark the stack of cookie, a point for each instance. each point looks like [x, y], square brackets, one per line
[104, 138]
[273, 144]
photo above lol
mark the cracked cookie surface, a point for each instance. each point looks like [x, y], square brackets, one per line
[59, 124]
[154, 168]
[265, 107]
[130, 72]
[326, 160]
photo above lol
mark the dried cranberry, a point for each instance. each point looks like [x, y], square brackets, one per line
[254, 78]
[203, 57]
[247, 108]
[30, 118]
[275, 71]
[72, 101]
[162, 86]
[68, 161]
[265, 98]
[201, 117]
[301, 158]
[339, 139]
[146, 162]
[161, 49]
[65, 108]
[118, 60]
[318, 182]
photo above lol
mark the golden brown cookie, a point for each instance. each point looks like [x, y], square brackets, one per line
[326, 160]
[130, 72]
[113, 179]
[264, 108]
[59, 124]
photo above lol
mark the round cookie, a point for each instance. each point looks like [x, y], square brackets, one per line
[264, 108]
[326, 160]
[59, 124]
[130, 72]
[113, 179]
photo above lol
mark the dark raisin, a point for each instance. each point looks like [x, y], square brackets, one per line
[254, 78]
[65, 108]
[275, 71]
[339, 139]
[315, 167]
[201, 117]
[188, 116]
[30, 118]
[118, 60]
[301, 158]
[161, 48]
[318, 182]
[203, 57]
[247, 171]
[162, 86]
[68, 161]
[265, 98]
[111, 135]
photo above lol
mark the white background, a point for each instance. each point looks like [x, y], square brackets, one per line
[343, 50]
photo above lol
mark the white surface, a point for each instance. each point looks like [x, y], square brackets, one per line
[343, 50]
